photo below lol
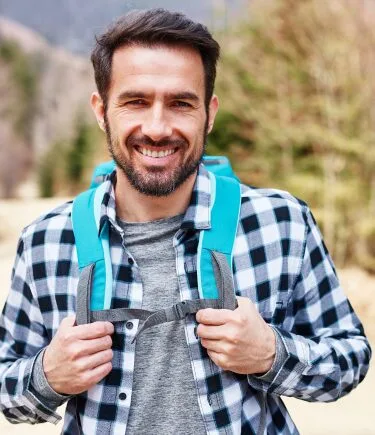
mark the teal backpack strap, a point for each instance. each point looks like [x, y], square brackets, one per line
[92, 248]
[215, 278]
[214, 256]
[216, 243]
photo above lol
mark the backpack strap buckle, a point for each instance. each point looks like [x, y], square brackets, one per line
[181, 309]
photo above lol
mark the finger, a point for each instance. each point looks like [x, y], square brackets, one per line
[211, 332]
[93, 330]
[212, 316]
[99, 372]
[68, 321]
[88, 347]
[213, 345]
[97, 359]
[215, 357]
[241, 300]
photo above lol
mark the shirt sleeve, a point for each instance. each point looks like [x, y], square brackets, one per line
[280, 357]
[22, 337]
[327, 350]
[42, 388]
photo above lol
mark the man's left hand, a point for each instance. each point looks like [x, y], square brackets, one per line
[240, 340]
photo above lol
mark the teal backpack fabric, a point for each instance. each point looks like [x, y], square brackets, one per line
[214, 259]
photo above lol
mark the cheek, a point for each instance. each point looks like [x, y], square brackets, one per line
[123, 124]
[193, 132]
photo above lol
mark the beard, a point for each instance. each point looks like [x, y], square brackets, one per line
[155, 181]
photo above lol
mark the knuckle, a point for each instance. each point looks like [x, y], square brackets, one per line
[223, 362]
[101, 328]
[98, 328]
[105, 369]
[243, 317]
[219, 360]
[86, 378]
[234, 337]
[107, 355]
[231, 349]
[109, 328]
[199, 317]
[64, 336]
[66, 320]
[75, 352]
[107, 341]
[80, 366]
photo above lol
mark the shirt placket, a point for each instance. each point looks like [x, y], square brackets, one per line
[207, 403]
[124, 346]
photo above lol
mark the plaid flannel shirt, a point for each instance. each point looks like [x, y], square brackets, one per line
[280, 262]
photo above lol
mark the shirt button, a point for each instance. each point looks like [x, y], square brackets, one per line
[122, 396]
[131, 261]
[129, 325]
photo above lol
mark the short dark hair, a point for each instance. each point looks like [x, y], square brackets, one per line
[154, 27]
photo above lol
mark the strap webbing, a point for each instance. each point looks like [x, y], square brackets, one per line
[215, 279]
[178, 311]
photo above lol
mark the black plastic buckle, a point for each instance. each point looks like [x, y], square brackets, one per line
[181, 309]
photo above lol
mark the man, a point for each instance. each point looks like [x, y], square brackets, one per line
[293, 333]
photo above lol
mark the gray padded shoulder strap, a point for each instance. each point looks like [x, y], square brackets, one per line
[224, 281]
[83, 294]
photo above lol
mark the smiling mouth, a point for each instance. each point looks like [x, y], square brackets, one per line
[156, 154]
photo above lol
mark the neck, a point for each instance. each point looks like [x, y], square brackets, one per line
[133, 206]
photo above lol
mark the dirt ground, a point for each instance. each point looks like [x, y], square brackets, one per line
[352, 415]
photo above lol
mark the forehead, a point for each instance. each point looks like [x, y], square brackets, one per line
[157, 68]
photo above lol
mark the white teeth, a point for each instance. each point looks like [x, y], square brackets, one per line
[149, 153]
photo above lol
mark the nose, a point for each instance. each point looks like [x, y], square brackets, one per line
[155, 124]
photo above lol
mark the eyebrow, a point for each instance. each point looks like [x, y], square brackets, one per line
[185, 95]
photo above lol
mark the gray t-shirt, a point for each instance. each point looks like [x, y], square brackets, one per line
[164, 398]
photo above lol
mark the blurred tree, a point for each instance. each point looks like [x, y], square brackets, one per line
[66, 168]
[298, 96]
[78, 155]
[18, 89]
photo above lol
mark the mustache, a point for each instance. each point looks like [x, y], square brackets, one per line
[145, 140]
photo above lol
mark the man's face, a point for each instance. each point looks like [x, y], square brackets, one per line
[156, 121]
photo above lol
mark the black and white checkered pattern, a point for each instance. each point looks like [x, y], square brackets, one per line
[280, 263]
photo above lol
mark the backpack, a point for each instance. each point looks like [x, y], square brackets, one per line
[214, 255]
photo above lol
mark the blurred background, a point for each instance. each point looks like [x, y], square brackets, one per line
[297, 92]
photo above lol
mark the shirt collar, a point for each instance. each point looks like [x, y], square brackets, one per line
[197, 215]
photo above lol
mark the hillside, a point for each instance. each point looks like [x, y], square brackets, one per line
[72, 24]
[44, 91]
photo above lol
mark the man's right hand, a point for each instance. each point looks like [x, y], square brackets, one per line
[78, 357]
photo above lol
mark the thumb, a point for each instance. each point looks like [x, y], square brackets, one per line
[68, 321]
[242, 301]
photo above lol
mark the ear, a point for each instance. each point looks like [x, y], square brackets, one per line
[212, 110]
[98, 109]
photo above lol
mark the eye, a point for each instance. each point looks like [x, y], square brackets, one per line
[138, 102]
[182, 104]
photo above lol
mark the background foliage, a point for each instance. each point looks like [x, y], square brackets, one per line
[297, 112]
[18, 86]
